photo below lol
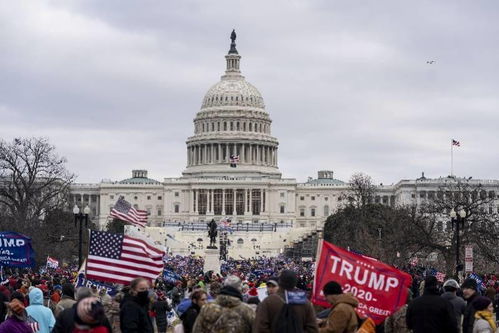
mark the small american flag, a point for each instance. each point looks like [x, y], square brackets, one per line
[123, 210]
[456, 143]
[52, 263]
[234, 159]
[119, 258]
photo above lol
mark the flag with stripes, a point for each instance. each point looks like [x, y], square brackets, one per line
[456, 143]
[124, 211]
[120, 258]
[52, 263]
[234, 159]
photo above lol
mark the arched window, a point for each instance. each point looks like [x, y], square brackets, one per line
[237, 125]
[326, 210]
[240, 241]
[225, 125]
[244, 127]
[212, 127]
[231, 126]
[250, 127]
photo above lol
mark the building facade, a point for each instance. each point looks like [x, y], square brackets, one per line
[234, 126]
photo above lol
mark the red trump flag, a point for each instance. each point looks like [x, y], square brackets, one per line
[380, 288]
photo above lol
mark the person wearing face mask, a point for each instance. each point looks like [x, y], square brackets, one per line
[134, 317]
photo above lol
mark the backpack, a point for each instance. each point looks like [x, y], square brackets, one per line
[286, 320]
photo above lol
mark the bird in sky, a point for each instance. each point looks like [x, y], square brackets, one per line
[430, 62]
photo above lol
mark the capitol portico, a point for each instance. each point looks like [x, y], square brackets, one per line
[233, 121]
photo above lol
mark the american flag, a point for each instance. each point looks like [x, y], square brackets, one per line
[119, 258]
[123, 210]
[52, 263]
[234, 159]
[456, 143]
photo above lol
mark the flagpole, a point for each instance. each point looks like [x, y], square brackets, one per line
[451, 158]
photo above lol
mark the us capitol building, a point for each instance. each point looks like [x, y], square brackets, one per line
[268, 212]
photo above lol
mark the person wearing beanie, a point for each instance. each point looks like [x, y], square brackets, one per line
[228, 313]
[470, 292]
[267, 312]
[16, 318]
[67, 298]
[431, 313]
[42, 314]
[272, 285]
[451, 286]
[484, 319]
[342, 317]
[87, 315]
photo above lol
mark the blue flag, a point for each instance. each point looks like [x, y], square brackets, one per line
[170, 276]
[479, 281]
[16, 250]
[82, 281]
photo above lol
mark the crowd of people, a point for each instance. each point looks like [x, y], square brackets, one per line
[248, 295]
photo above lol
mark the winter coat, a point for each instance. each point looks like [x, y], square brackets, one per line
[270, 308]
[114, 313]
[161, 308]
[40, 313]
[343, 318]
[189, 317]
[431, 313]
[227, 314]
[469, 314]
[66, 302]
[13, 324]
[66, 321]
[458, 304]
[397, 323]
[482, 326]
[134, 317]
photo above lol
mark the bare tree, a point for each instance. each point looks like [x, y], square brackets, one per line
[33, 182]
[480, 228]
[360, 190]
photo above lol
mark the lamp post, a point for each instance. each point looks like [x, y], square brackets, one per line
[80, 218]
[458, 220]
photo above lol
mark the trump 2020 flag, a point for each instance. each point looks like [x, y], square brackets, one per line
[120, 258]
[380, 288]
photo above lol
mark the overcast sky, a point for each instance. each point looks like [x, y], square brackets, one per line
[116, 84]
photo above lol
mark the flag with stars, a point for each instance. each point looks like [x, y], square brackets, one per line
[120, 258]
[124, 211]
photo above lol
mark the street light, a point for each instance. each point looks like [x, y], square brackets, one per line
[80, 218]
[458, 220]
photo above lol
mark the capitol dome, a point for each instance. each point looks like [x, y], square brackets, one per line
[232, 125]
[233, 90]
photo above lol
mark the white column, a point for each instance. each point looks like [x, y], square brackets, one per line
[196, 207]
[242, 156]
[219, 160]
[250, 153]
[234, 211]
[250, 204]
[191, 203]
[261, 200]
[257, 154]
[223, 201]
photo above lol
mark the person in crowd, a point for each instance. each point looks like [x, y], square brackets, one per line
[272, 285]
[114, 312]
[470, 292]
[253, 299]
[134, 317]
[484, 318]
[3, 303]
[198, 299]
[161, 308]
[42, 314]
[17, 317]
[450, 287]
[397, 323]
[87, 315]
[214, 290]
[67, 299]
[268, 310]
[228, 313]
[342, 318]
[431, 313]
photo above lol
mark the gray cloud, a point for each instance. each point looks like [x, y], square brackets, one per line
[115, 84]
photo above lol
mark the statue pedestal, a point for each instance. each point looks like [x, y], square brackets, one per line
[212, 260]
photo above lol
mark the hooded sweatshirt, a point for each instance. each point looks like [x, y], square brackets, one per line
[40, 313]
[343, 318]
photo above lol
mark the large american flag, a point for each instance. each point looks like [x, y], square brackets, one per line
[123, 210]
[119, 258]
